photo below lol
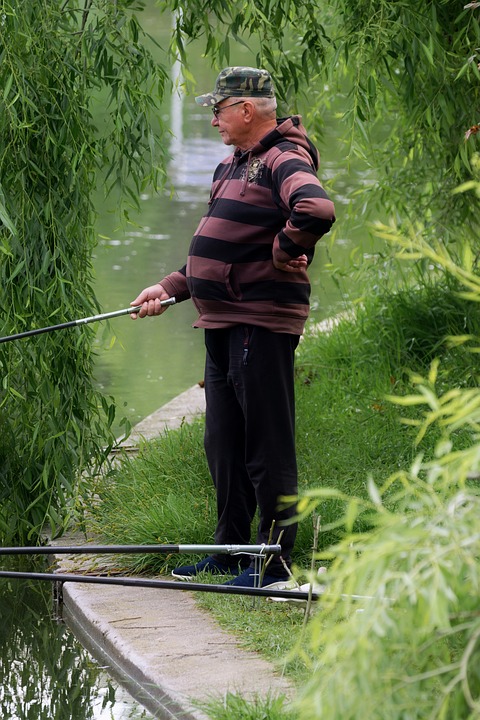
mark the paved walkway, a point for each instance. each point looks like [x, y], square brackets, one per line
[169, 653]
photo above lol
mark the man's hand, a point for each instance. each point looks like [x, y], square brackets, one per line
[293, 265]
[149, 299]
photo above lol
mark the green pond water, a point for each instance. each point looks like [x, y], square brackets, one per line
[45, 674]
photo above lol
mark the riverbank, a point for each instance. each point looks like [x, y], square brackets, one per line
[169, 654]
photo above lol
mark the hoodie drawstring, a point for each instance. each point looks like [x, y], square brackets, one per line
[245, 179]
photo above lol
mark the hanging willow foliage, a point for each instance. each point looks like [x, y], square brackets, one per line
[406, 75]
[56, 60]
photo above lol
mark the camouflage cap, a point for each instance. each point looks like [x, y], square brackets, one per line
[238, 82]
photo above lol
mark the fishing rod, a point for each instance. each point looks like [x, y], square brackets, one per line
[81, 321]
[162, 584]
[132, 549]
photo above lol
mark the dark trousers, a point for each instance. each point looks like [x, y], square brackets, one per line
[250, 433]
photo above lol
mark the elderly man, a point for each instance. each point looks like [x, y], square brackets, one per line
[246, 273]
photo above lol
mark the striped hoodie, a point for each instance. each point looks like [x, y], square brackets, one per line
[265, 202]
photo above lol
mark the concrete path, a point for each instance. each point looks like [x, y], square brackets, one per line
[169, 653]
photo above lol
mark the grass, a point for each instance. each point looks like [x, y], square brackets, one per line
[346, 433]
[162, 495]
[234, 707]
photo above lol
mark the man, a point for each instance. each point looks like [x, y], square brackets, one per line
[246, 273]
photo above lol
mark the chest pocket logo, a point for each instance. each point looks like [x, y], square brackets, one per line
[255, 169]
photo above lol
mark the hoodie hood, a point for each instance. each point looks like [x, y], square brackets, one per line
[290, 130]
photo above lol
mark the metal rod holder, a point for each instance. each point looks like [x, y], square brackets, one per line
[259, 550]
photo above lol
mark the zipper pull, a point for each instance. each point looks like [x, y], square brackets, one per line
[245, 346]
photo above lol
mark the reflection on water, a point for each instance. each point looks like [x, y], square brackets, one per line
[44, 673]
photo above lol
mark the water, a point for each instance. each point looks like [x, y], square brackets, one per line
[45, 674]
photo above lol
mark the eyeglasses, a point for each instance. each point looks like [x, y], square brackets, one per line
[217, 110]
